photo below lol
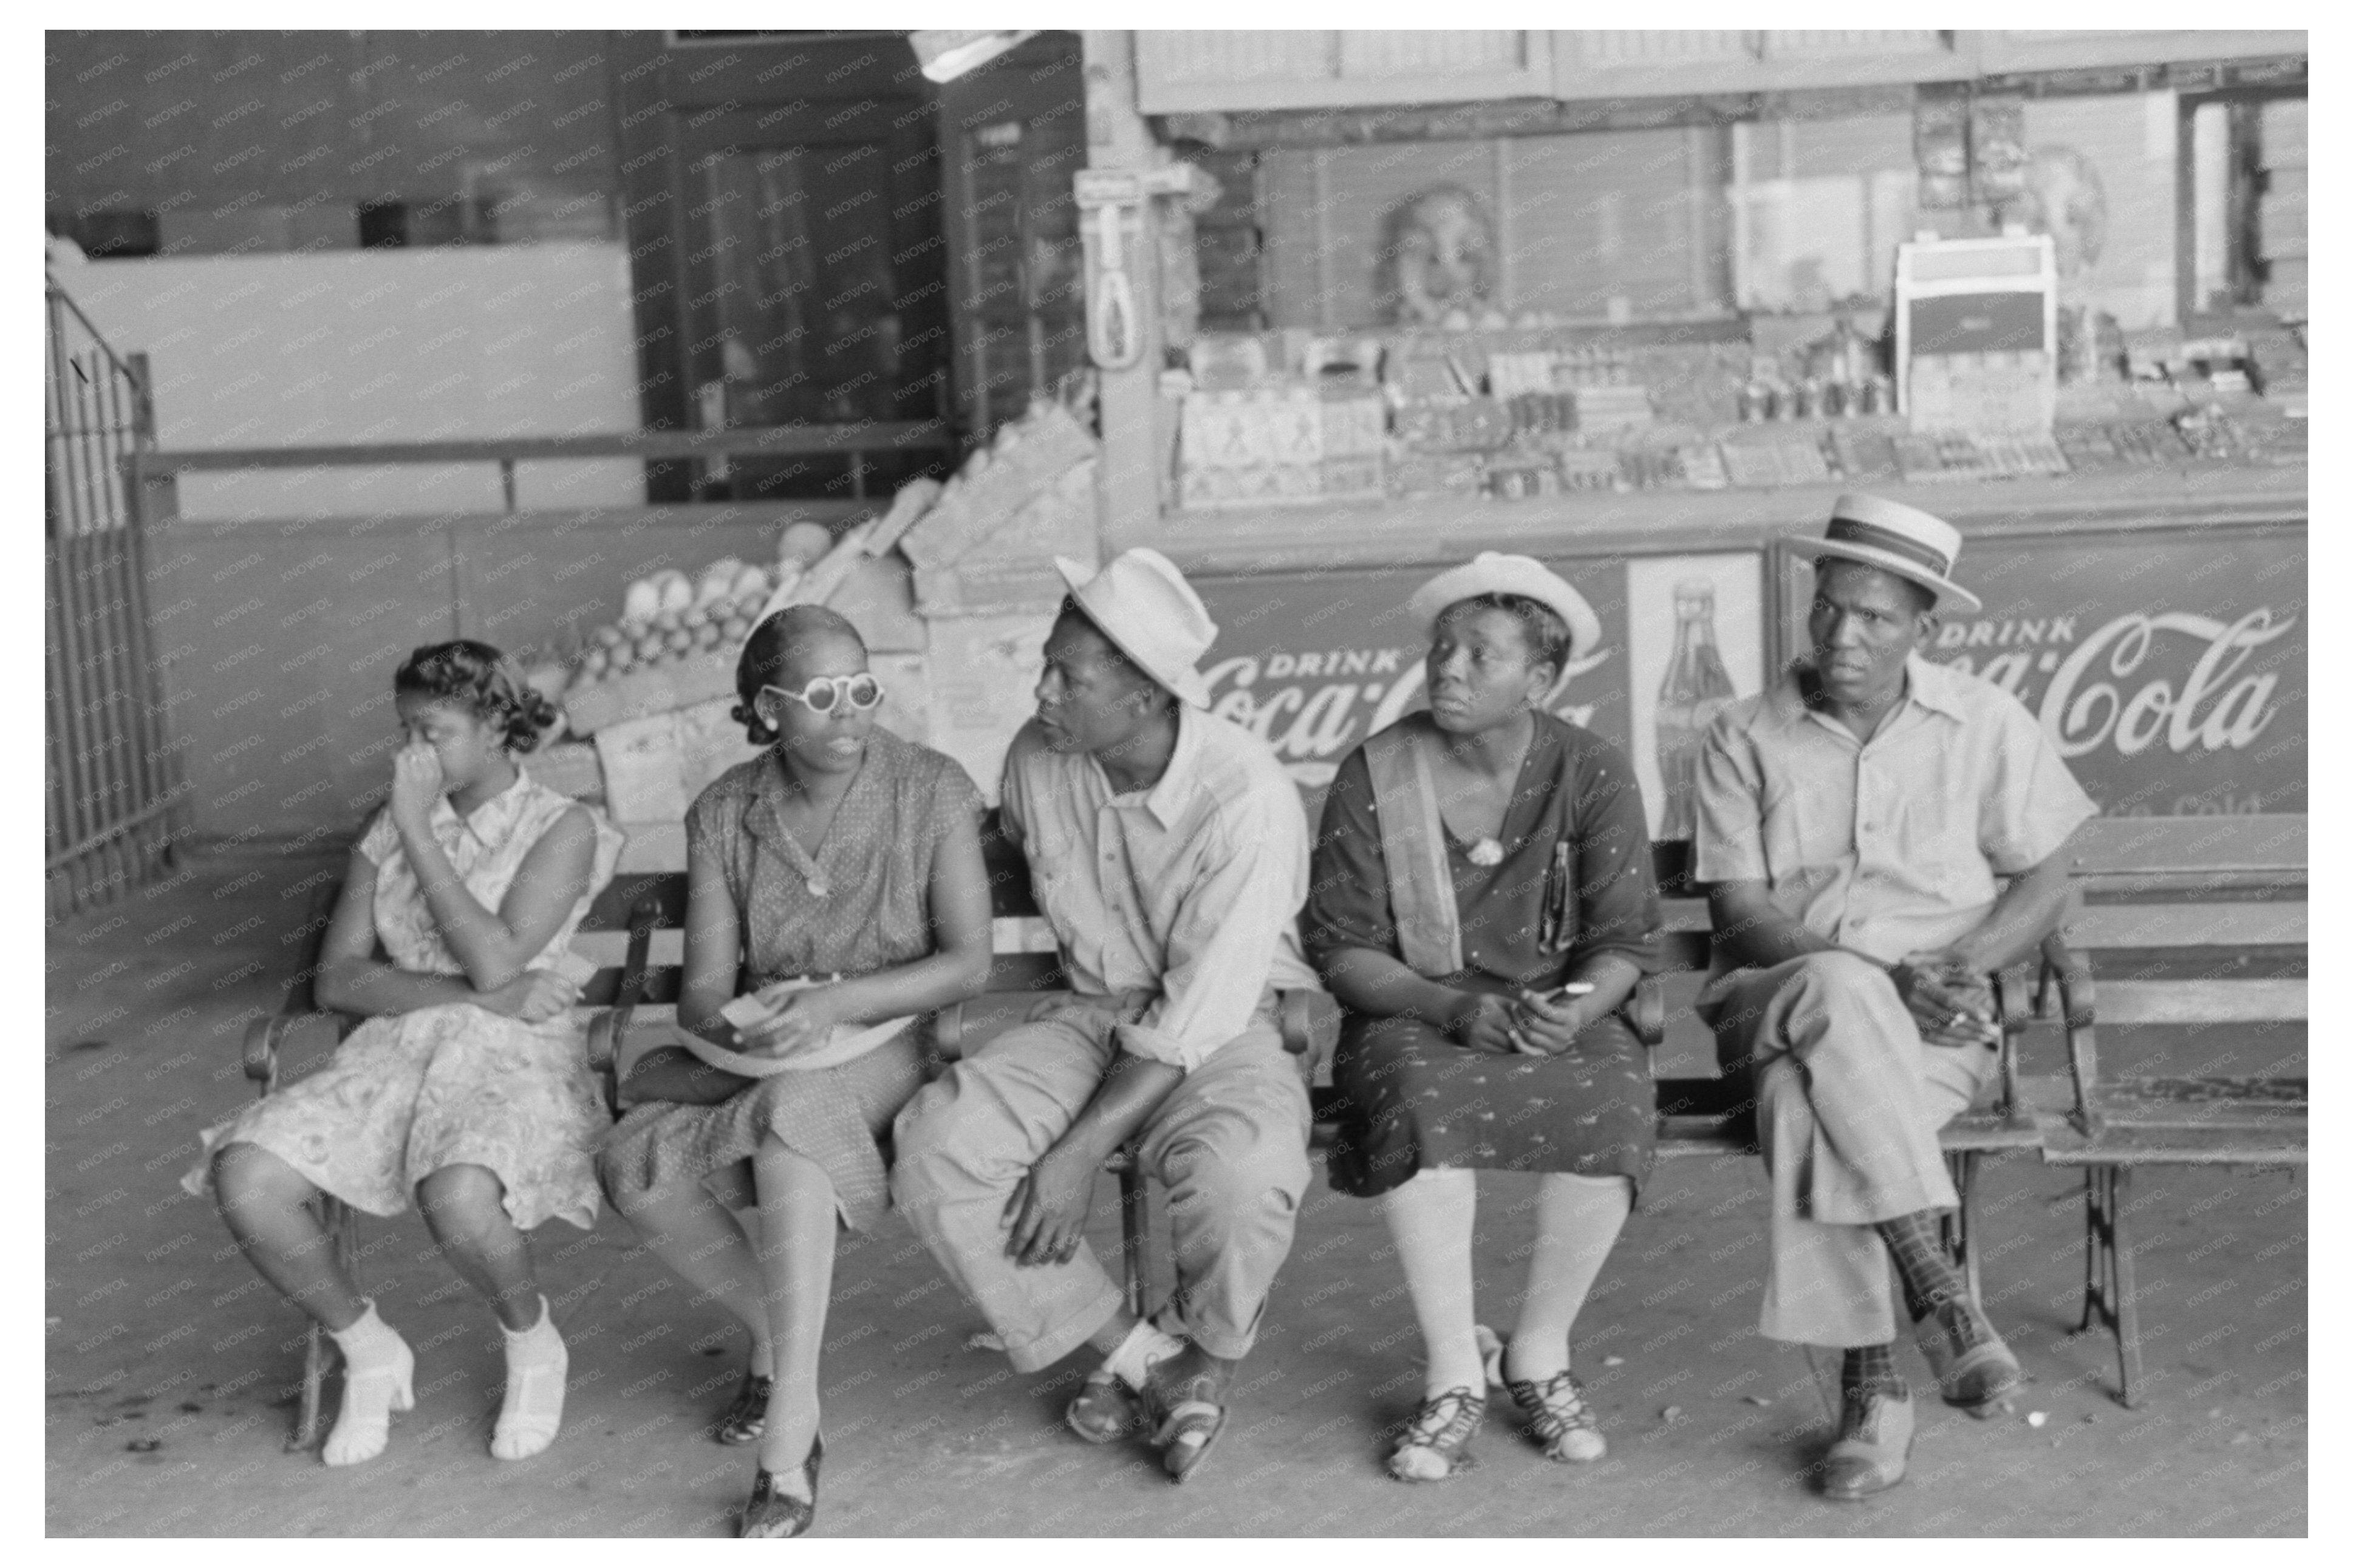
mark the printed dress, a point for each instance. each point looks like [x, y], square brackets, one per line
[861, 904]
[453, 1084]
[1575, 880]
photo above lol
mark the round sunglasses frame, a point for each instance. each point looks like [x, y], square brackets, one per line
[839, 686]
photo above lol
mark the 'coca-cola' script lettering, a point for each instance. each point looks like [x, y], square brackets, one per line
[2087, 704]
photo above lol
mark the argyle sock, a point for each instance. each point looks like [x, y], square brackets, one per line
[1926, 1269]
[1868, 1369]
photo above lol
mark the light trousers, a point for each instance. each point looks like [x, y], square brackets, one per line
[1849, 1099]
[1230, 1144]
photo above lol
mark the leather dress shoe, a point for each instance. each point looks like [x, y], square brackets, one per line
[1105, 1409]
[1974, 1369]
[1875, 1444]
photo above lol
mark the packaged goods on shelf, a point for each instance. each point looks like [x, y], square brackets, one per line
[1435, 473]
[1517, 476]
[1585, 469]
[1603, 411]
[1862, 454]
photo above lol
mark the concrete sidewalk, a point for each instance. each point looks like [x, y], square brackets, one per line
[170, 1364]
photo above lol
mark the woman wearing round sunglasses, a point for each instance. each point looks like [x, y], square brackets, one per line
[842, 856]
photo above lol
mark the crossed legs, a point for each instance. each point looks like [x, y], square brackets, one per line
[779, 1290]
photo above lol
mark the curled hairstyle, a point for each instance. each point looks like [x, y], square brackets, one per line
[770, 647]
[1540, 624]
[482, 681]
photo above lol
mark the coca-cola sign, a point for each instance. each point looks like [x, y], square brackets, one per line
[1314, 662]
[2169, 668]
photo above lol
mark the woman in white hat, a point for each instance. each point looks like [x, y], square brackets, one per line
[1481, 905]
[835, 890]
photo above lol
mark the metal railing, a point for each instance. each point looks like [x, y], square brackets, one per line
[153, 474]
[111, 808]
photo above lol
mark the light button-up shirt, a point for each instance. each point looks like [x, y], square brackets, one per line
[1188, 890]
[1889, 845]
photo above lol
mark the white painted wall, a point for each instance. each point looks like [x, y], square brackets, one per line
[380, 346]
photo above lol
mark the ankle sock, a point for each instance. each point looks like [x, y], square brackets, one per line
[1145, 1344]
[533, 1408]
[1870, 1369]
[378, 1369]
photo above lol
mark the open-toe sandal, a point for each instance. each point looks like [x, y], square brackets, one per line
[1436, 1443]
[1559, 1418]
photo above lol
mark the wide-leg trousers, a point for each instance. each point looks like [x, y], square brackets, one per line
[1230, 1144]
[1849, 1099]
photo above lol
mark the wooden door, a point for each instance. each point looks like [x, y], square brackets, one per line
[814, 279]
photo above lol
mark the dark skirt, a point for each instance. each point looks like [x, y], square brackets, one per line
[1408, 1097]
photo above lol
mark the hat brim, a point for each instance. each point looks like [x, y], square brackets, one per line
[1183, 679]
[1469, 580]
[1948, 592]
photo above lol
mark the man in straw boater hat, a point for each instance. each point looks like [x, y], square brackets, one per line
[1168, 849]
[1854, 819]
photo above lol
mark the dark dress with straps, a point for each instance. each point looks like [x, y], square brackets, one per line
[1575, 880]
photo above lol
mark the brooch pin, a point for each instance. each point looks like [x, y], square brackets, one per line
[1487, 852]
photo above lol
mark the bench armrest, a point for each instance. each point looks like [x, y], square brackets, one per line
[265, 1041]
[262, 1039]
[1646, 1011]
[2070, 972]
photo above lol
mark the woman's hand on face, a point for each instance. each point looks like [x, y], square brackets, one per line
[1545, 1027]
[1484, 1023]
[415, 784]
[803, 1019]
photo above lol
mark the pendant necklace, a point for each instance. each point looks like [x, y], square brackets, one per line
[1487, 852]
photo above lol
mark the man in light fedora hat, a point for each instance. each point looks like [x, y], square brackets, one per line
[1169, 850]
[1852, 821]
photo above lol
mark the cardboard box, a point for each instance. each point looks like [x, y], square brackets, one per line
[570, 768]
[1030, 455]
[644, 767]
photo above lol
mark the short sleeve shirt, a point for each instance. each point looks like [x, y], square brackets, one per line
[1890, 846]
[863, 901]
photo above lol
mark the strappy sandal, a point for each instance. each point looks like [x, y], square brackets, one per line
[1559, 1418]
[746, 1420]
[772, 1515]
[1436, 1443]
[1192, 1421]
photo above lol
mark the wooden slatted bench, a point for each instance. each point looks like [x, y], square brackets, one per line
[2196, 922]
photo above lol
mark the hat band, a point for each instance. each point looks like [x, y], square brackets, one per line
[1846, 531]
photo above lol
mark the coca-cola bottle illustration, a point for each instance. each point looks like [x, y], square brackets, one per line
[1695, 688]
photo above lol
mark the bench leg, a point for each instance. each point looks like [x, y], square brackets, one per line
[1959, 1226]
[2108, 1277]
[341, 1222]
[1134, 1231]
[2127, 1304]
